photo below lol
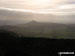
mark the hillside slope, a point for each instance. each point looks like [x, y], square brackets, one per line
[43, 29]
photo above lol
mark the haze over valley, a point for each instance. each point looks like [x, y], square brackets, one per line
[33, 19]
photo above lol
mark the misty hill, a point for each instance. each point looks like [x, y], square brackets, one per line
[10, 22]
[5, 22]
[33, 24]
[43, 29]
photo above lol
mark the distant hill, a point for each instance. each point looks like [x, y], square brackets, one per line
[10, 22]
[43, 29]
[4, 22]
[7, 22]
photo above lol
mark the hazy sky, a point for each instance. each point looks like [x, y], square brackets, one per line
[40, 10]
[34, 4]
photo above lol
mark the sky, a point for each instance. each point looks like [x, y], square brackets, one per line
[40, 10]
[34, 4]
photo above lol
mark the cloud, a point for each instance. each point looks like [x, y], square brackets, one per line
[61, 14]
[33, 4]
[66, 13]
[16, 15]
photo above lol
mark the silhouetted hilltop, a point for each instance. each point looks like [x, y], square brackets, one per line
[32, 22]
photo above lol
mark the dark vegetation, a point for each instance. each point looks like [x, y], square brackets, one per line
[12, 44]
